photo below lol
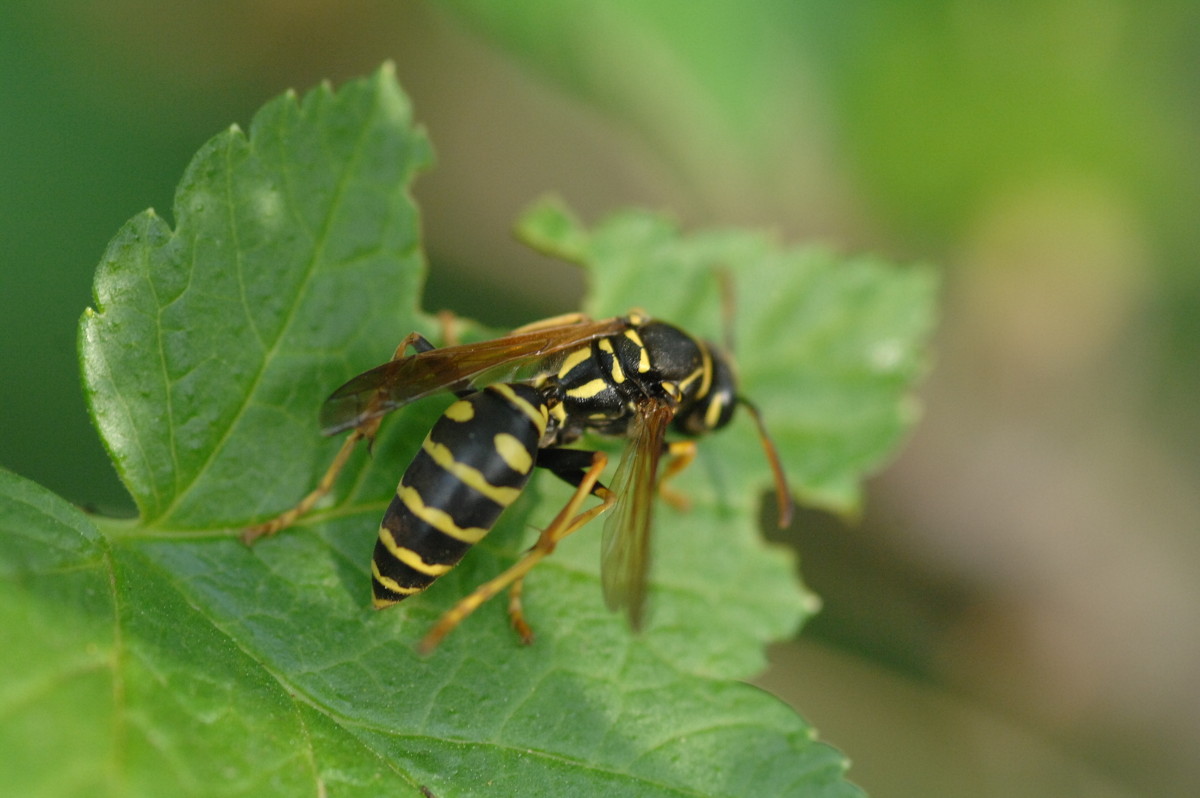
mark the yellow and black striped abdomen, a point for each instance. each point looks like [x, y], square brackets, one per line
[473, 464]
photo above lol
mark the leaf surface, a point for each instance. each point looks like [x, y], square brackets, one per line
[828, 346]
[178, 661]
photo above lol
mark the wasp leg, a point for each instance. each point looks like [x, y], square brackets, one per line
[289, 517]
[569, 465]
[568, 520]
[553, 321]
[516, 612]
[414, 341]
[448, 320]
[682, 453]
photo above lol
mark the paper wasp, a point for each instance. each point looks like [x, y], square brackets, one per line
[522, 398]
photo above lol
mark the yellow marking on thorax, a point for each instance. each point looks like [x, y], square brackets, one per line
[537, 415]
[588, 389]
[712, 413]
[469, 475]
[689, 379]
[438, 519]
[574, 359]
[559, 411]
[706, 366]
[618, 373]
[513, 452]
[462, 410]
[643, 356]
[408, 556]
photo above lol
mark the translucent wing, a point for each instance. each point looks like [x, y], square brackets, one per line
[396, 383]
[625, 550]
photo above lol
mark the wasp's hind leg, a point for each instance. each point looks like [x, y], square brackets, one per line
[568, 520]
[415, 341]
[573, 467]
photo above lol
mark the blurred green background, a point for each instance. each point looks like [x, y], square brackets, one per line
[1016, 611]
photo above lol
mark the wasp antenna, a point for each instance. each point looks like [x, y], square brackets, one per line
[728, 306]
[783, 494]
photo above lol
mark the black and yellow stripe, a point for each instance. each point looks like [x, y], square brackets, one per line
[478, 457]
[624, 377]
[603, 381]
[599, 382]
[473, 464]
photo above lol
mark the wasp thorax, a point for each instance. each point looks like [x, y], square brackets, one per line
[674, 355]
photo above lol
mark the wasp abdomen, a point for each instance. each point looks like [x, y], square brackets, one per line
[473, 464]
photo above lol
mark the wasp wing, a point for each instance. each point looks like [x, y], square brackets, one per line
[625, 548]
[393, 384]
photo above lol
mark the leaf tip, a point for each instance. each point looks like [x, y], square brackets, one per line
[550, 227]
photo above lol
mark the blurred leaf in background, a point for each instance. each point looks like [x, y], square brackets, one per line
[1034, 550]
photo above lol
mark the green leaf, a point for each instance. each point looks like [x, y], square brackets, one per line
[294, 258]
[176, 661]
[827, 346]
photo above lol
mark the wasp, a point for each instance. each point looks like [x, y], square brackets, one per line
[522, 399]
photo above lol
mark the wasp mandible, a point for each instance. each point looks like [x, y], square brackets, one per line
[522, 398]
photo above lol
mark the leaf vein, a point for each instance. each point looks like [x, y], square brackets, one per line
[269, 355]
